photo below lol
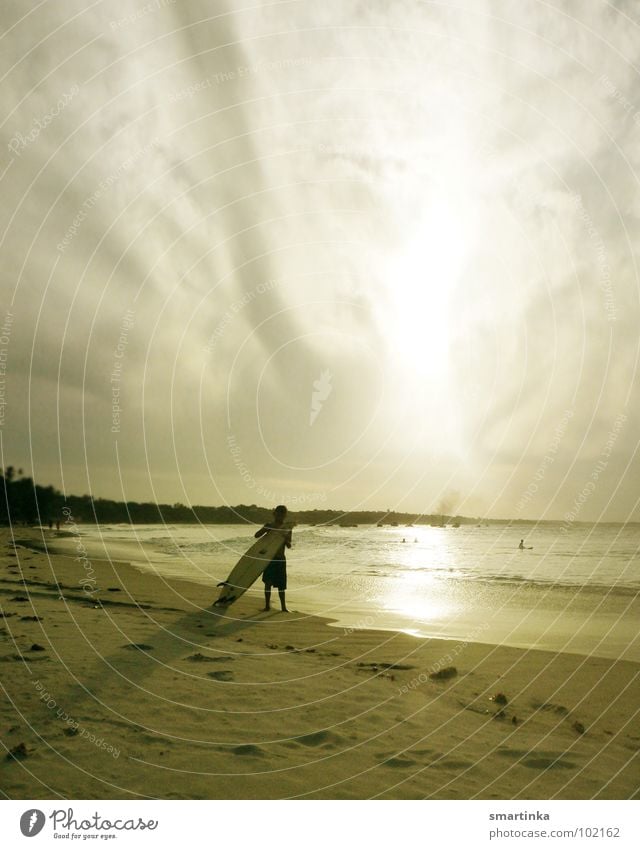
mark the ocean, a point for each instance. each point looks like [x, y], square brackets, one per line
[576, 590]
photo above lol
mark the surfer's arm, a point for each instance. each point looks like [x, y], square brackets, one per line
[263, 530]
[287, 540]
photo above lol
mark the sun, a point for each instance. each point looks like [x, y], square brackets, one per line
[420, 277]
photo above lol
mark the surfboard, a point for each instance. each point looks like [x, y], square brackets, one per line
[251, 565]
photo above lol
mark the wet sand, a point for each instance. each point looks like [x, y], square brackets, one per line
[119, 684]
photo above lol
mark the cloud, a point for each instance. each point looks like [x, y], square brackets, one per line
[435, 204]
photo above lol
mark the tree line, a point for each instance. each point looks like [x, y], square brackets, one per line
[26, 502]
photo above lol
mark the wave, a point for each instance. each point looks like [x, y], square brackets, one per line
[538, 584]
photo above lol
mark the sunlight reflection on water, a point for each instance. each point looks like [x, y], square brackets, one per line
[575, 589]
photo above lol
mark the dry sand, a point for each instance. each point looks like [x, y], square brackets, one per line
[141, 691]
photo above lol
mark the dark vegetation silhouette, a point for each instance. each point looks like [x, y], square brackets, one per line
[22, 501]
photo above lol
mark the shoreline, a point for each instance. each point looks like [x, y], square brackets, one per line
[525, 615]
[253, 705]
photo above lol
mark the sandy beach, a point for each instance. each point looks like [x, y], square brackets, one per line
[120, 684]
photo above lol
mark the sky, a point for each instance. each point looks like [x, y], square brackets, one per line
[358, 255]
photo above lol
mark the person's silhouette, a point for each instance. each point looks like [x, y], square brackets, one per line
[275, 575]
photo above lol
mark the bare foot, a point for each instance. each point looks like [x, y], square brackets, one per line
[265, 609]
[285, 610]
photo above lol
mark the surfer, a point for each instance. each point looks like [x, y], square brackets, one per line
[275, 575]
[522, 546]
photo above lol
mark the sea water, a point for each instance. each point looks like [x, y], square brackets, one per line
[577, 589]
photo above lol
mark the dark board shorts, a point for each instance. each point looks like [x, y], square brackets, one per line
[276, 574]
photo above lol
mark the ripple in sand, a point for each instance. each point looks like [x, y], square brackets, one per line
[547, 763]
[551, 707]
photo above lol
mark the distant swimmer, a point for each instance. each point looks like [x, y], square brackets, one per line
[522, 546]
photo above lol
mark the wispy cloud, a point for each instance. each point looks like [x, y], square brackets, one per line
[438, 203]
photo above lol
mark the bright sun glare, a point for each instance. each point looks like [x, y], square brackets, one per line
[420, 277]
[421, 274]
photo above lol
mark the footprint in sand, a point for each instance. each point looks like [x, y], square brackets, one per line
[250, 750]
[138, 646]
[221, 675]
[398, 763]
[543, 759]
[550, 707]
[18, 753]
[319, 738]
[203, 658]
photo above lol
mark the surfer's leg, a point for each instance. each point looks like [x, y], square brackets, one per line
[282, 602]
[267, 597]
